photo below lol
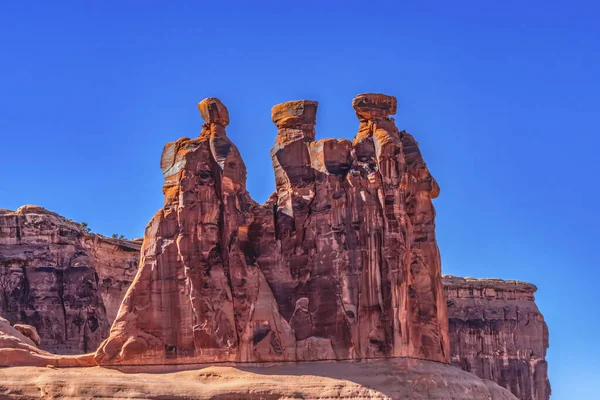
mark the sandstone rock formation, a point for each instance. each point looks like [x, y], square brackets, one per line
[60, 279]
[30, 332]
[340, 263]
[511, 375]
[498, 333]
[17, 349]
[398, 379]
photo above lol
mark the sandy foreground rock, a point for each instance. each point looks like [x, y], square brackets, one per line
[390, 379]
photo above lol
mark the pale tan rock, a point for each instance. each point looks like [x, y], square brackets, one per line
[401, 379]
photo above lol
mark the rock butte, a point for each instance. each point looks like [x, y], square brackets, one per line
[340, 263]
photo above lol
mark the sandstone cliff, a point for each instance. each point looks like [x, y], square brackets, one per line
[498, 333]
[61, 279]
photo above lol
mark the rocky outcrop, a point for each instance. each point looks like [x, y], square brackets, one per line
[340, 263]
[29, 332]
[61, 279]
[498, 333]
[18, 349]
[397, 379]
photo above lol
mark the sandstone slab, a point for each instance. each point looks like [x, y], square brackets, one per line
[387, 379]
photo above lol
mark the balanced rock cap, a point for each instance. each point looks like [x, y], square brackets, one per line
[213, 111]
[374, 106]
[295, 113]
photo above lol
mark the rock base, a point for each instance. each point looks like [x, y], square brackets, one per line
[400, 379]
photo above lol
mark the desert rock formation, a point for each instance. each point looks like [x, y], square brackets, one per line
[498, 333]
[17, 349]
[507, 370]
[340, 263]
[62, 280]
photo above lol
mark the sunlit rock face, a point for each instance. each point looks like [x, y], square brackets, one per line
[496, 330]
[498, 333]
[340, 263]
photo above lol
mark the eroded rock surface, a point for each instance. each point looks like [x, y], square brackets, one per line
[498, 333]
[306, 276]
[18, 349]
[397, 379]
[29, 332]
[340, 263]
[62, 280]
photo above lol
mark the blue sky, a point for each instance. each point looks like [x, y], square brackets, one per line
[503, 98]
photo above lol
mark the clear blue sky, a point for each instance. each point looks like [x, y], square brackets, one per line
[503, 98]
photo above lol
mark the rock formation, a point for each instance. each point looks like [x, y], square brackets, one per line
[498, 333]
[511, 374]
[340, 263]
[18, 349]
[30, 332]
[61, 279]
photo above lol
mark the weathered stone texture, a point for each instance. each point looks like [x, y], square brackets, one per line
[498, 333]
[18, 347]
[392, 379]
[60, 279]
[340, 263]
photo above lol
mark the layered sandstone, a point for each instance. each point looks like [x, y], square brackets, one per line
[340, 263]
[497, 332]
[61, 279]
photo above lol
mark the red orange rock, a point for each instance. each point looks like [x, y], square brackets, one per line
[341, 263]
[63, 280]
[498, 333]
